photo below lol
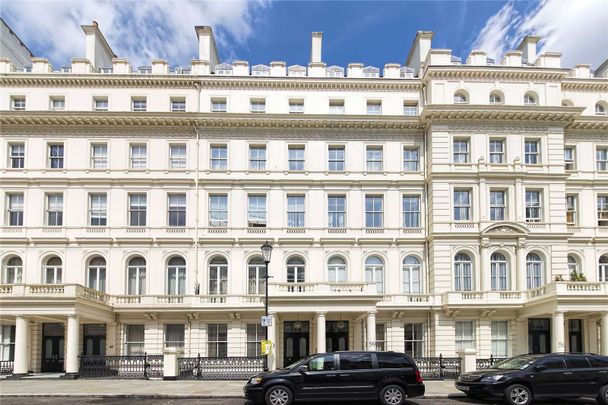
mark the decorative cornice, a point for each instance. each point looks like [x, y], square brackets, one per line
[589, 123]
[600, 85]
[468, 72]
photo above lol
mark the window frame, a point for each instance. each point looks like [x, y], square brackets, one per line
[571, 209]
[335, 164]
[18, 103]
[601, 164]
[139, 104]
[99, 161]
[458, 156]
[532, 158]
[493, 153]
[55, 161]
[222, 222]
[296, 216]
[465, 208]
[411, 212]
[220, 346]
[534, 206]
[54, 209]
[461, 339]
[137, 161]
[296, 163]
[463, 274]
[373, 164]
[180, 328]
[408, 161]
[377, 216]
[497, 338]
[178, 161]
[16, 159]
[100, 215]
[417, 337]
[137, 209]
[218, 163]
[177, 209]
[496, 207]
[216, 103]
[259, 220]
[570, 162]
[10, 210]
[602, 210]
[257, 105]
[259, 163]
[177, 100]
[339, 215]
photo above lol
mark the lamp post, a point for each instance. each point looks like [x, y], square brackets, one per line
[266, 253]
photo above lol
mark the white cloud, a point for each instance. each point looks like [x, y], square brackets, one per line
[578, 29]
[137, 30]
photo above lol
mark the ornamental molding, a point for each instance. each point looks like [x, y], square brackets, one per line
[494, 128]
[511, 230]
[493, 73]
[595, 85]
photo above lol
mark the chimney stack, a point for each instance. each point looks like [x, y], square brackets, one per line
[528, 48]
[207, 50]
[98, 51]
[317, 44]
[419, 50]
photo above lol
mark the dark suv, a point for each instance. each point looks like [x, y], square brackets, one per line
[390, 377]
[558, 375]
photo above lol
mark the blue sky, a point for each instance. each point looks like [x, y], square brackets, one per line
[260, 31]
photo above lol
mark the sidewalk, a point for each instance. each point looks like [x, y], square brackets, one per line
[157, 388]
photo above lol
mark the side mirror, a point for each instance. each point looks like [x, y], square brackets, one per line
[540, 367]
[303, 369]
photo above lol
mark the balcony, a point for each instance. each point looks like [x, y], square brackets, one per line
[410, 300]
[51, 291]
[483, 298]
[579, 289]
[321, 289]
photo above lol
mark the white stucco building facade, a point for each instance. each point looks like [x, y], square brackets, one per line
[421, 208]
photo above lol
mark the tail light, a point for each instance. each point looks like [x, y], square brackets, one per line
[418, 377]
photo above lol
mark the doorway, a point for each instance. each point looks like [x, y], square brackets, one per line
[336, 335]
[575, 335]
[94, 340]
[539, 335]
[296, 341]
[52, 347]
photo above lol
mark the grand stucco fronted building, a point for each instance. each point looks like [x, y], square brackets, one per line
[425, 207]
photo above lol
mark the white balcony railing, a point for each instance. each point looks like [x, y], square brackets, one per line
[291, 289]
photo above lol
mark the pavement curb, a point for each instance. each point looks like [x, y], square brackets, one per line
[174, 396]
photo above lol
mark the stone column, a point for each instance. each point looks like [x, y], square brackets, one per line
[321, 332]
[72, 342]
[522, 336]
[604, 334]
[22, 352]
[484, 271]
[557, 332]
[371, 330]
[520, 267]
[272, 336]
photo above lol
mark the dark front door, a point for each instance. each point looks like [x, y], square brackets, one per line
[295, 344]
[52, 347]
[539, 335]
[94, 340]
[575, 335]
[336, 333]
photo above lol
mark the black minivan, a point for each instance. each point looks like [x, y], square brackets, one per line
[387, 376]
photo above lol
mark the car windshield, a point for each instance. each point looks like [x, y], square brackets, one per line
[515, 363]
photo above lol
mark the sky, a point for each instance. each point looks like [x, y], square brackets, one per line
[261, 31]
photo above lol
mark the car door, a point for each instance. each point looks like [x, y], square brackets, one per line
[599, 368]
[583, 379]
[548, 378]
[320, 380]
[357, 375]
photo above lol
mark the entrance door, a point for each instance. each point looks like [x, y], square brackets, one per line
[539, 335]
[336, 333]
[52, 347]
[94, 340]
[296, 340]
[575, 335]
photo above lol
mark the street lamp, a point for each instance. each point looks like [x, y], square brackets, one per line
[266, 253]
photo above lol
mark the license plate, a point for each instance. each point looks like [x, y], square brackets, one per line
[462, 387]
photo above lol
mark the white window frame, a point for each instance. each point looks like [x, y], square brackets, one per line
[17, 207]
[296, 106]
[496, 207]
[334, 162]
[257, 105]
[219, 104]
[260, 220]
[409, 212]
[296, 214]
[462, 339]
[178, 104]
[99, 161]
[497, 157]
[532, 157]
[499, 333]
[137, 160]
[602, 210]
[459, 156]
[296, 163]
[570, 161]
[601, 158]
[373, 164]
[571, 209]
[534, 206]
[409, 160]
[178, 161]
[215, 201]
[258, 157]
[98, 210]
[339, 215]
[97, 104]
[54, 209]
[218, 163]
[465, 209]
[16, 158]
[139, 104]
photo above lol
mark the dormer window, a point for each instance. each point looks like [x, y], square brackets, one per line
[57, 103]
[371, 71]
[223, 69]
[495, 98]
[260, 70]
[139, 104]
[296, 71]
[406, 72]
[530, 99]
[18, 103]
[144, 70]
[600, 109]
[257, 105]
[460, 98]
[334, 71]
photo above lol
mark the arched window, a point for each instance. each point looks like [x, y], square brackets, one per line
[603, 268]
[496, 98]
[52, 270]
[499, 272]
[136, 276]
[600, 109]
[534, 270]
[530, 99]
[256, 273]
[96, 274]
[374, 272]
[336, 270]
[572, 265]
[463, 272]
[567, 103]
[13, 271]
[460, 97]
[411, 275]
[176, 276]
[218, 276]
[296, 270]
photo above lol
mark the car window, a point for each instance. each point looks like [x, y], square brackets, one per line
[598, 361]
[551, 362]
[355, 361]
[577, 362]
[391, 360]
[322, 363]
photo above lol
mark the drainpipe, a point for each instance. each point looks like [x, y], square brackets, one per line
[196, 190]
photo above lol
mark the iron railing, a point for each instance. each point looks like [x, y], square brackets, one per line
[481, 364]
[219, 368]
[135, 367]
[438, 368]
[6, 367]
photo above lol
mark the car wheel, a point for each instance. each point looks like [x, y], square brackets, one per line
[392, 395]
[279, 395]
[602, 398]
[518, 394]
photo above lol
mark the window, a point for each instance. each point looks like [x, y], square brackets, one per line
[15, 209]
[355, 361]
[174, 335]
[500, 338]
[371, 71]
[296, 270]
[54, 209]
[602, 210]
[55, 159]
[569, 158]
[52, 270]
[7, 343]
[336, 106]
[497, 151]
[461, 151]
[411, 159]
[13, 271]
[571, 209]
[256, 211]
[98, 204]
[598, 361]
[380, 337]
[218, 105]
[577, 362]
[334, 71]
[16, 155]
[336, 211]
[256, 276]
[374, 210]
[603, 269]
[573, 266]
[223, 69]
[410, 108]
[374, 272]
[465, 335]
[462, 205]
[392, 360]
[96, 274]
[534, 271]
[374, 107]
[601, 156]
[218, 276]
[219, 157]
[324, 362]
[57, 103]
[257, 157]
[217, 340]
[533, 206]
[139, 104]
[177, 156]
[600, 109]
[495, 98]
[530, 99]
[18, 103]
[296, 71]
[532, 154]
[218, 210]
[178, 104]
[137, 209]
[411, 211]
[295, 156]
[499, 274]
[463, 272]
[552, 363]
[134, 340]
[498, 205]
[257, 106]
[139, 156]
[374, 158]
[296, 106]
[136, 276]
[460, 98]
[414, 339]
[295, 211]
[411, 275]
[100, 103]
[336, 269]
[99, 155]
[260, 70]
[176, 210]
[255, 335]
[335, 158]
[176, 276]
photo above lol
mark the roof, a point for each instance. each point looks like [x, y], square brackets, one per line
[16, 36]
